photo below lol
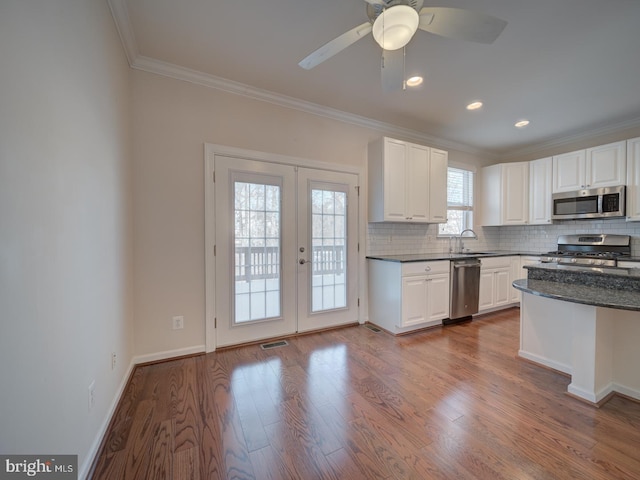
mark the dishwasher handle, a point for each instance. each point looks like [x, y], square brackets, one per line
[466, 265]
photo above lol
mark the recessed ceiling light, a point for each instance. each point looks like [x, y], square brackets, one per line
[474, 105]
[521, 123]
[414, 81]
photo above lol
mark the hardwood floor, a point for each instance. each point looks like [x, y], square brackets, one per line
[350, 403]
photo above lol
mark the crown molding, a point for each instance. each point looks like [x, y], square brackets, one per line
[158, 67]
[567, 140]
[120, 15]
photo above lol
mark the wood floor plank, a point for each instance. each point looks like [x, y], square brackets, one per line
[268, 464]
[299, 455]
[161, 453]
[138, 458]
[443, 403]
[344, 466]
[186, 408]
[231, 438]
[186, 464]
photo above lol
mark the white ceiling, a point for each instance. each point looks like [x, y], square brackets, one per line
[569, 66]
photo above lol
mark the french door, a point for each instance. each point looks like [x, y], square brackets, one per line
[286, 249]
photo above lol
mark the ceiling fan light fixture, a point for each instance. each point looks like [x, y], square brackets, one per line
[395, 27]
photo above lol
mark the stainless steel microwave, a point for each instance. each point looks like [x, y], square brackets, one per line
[606, 202]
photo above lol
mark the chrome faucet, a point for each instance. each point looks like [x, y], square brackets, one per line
[460, 244]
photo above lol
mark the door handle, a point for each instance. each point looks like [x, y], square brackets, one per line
[302, 261]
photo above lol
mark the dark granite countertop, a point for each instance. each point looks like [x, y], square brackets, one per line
[610, 287]
[426, 257]
[605, 277]
[585, 294]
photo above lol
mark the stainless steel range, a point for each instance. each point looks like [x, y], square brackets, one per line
[587, 249]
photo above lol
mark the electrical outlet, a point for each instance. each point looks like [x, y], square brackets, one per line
[92, 395]
[113, 360]
[178, 322]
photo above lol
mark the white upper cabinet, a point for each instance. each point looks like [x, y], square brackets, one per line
[633, 180]
[505, 194]
[407, 182]
[417, 193]
[569, 171]
[603, 166]
[439, 162]
[540, 184]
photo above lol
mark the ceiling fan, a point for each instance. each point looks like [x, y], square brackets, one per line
[393, 24]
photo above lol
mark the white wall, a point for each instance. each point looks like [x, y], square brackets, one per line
[172, 121]
[65, 224]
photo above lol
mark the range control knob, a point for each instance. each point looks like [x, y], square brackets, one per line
[599, 262]
[593, 262]
[574, 260]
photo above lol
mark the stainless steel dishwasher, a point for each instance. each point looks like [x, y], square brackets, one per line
[465, 289]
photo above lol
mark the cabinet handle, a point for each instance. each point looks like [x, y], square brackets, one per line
[428, 269]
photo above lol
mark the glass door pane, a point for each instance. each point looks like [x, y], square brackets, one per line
[257, 252]
[329, 250]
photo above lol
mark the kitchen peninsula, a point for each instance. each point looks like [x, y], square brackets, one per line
[585, 322]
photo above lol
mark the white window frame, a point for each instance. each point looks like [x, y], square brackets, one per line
[471, 208]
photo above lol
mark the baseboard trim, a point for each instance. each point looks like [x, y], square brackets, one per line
[88, 466]
[627, 392]
[168, 354]
[560, 367]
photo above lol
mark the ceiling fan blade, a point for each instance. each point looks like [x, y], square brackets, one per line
[392, 70]
[336, 45]
[461, 24]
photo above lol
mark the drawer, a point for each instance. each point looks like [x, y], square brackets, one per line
[495, 262]
[425, 268]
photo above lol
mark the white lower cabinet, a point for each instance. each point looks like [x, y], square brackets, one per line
[408, 296]
[514, 294]
[495, 283]
[423, 299]
[518, 272]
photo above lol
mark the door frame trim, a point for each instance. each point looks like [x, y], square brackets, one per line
[210, 152]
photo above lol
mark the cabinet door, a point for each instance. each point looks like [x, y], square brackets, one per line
[395, 178]
[438, 186]
[438, 301]
[514, 274]
[414, 300]
[606, 165]
[515, 193]
[502, 287]
[417, 199]
[569, 171]
[540, 185]
[633, 179]
[486, 290]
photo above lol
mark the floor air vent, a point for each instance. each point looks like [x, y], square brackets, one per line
[268, 346]
[373, 328]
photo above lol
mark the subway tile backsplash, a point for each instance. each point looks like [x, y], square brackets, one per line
[399, 238]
